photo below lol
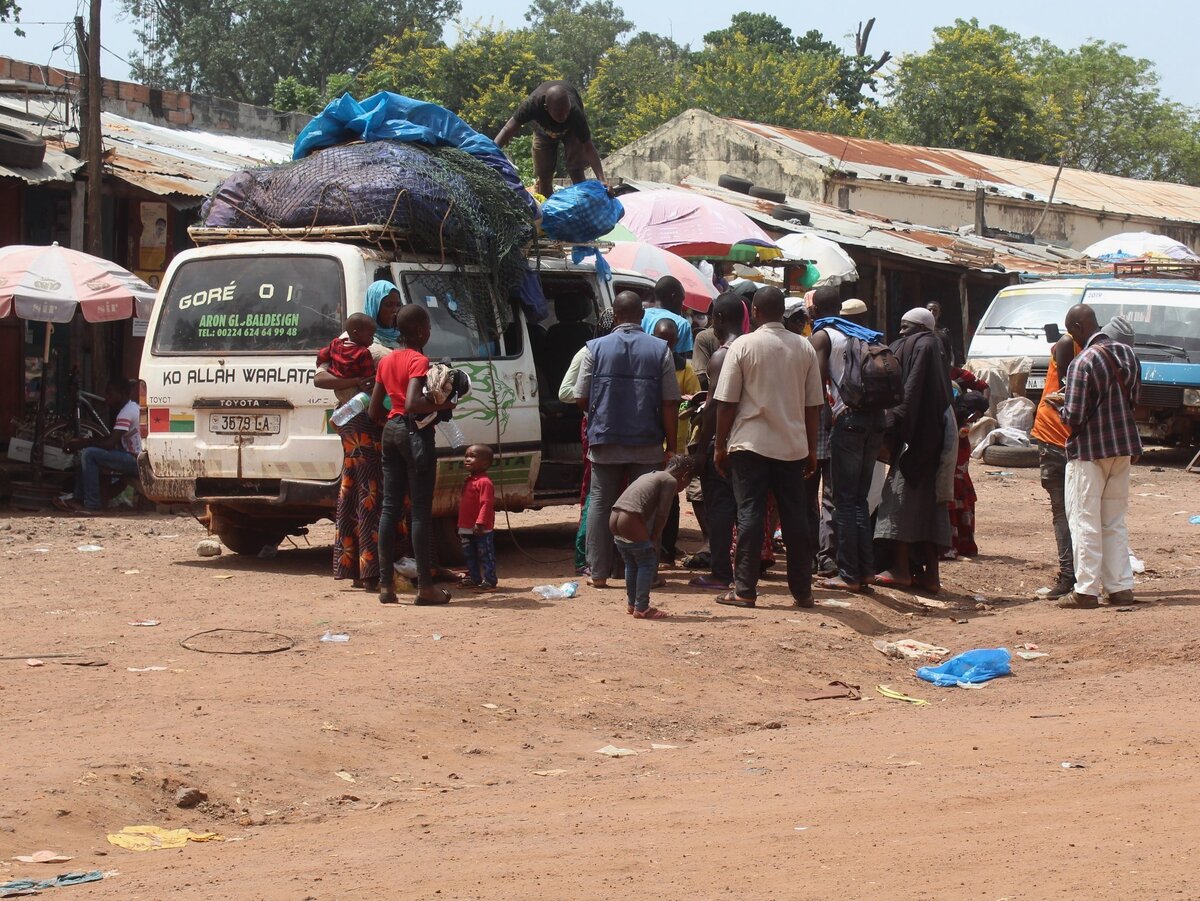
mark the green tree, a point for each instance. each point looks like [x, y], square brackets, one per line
[1105, 111]
[9, 11]
[573, 36]
[241, 49]
[761, 30]
[778, 87]
[972, 90]
[647, 64]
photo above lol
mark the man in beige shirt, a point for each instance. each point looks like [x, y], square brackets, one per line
[769, 399]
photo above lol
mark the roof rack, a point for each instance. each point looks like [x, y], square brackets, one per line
[548, 247]
[1157, 269]
[376, 235]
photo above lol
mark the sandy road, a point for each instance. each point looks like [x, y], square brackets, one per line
[469, 732]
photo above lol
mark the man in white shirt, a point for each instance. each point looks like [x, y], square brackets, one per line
[770, 398]
[118, 452]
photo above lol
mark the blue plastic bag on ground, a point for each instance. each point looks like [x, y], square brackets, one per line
[581, 213]
[971, 667]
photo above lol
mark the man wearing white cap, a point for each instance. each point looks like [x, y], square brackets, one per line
[910, 515]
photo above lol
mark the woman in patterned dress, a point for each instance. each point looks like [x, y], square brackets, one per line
[355, 551]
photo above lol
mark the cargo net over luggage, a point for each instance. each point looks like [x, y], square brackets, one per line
[436, 201]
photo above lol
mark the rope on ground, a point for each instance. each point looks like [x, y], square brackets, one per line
[285, 643]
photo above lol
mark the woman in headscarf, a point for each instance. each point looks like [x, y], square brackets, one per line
[356, 547]
[910, 516]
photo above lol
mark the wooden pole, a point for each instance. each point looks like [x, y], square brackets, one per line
[94, 236]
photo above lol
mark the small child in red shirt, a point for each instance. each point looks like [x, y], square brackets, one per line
[349, 356]
[477, 520]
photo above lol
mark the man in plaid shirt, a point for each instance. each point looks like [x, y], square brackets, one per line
[1101, 389]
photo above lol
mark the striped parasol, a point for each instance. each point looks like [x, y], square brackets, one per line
[48, 283]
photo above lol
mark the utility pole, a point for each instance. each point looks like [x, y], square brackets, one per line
[91, 145]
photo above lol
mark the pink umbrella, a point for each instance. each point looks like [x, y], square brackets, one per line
[692, 225]
[646, 259]
[46, 284]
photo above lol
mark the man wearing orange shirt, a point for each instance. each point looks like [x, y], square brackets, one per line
[1051, 434]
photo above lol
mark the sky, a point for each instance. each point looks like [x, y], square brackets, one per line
[899, 27]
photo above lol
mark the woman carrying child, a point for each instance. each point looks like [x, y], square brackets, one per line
[356, 545]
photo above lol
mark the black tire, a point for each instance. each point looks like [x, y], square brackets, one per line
[735, 183]
[20, 149]
[447, 549]
[767, 194]
[787, 213]
[1016, 457]
[249, 541]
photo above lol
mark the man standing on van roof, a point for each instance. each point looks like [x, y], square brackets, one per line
[556, 112]
[628, 389]
[1101, 390]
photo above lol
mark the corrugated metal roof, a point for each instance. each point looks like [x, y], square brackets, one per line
[180, 162]
[964, 171]
[57, 165]
[943, 247]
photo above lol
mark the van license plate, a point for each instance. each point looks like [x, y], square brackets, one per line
[1036, 381]
[243, 424]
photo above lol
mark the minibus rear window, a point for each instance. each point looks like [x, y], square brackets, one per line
[259, 304]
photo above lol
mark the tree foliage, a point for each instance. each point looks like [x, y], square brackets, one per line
[972, 90]
[979, 87]
[9, 11]
[242, 48]
[572, 35]
[993, 91]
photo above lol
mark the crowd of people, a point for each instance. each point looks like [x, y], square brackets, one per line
[792, 425]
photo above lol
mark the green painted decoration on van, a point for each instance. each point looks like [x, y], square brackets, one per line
[490, 399]
[504, 471]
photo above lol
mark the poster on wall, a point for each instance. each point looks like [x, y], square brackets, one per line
[152, 248]
[151, 277]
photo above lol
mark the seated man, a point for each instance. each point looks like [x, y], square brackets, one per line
[118, 452]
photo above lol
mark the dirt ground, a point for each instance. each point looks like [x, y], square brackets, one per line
[451, 752]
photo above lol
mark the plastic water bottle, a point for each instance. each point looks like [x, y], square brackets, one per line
[350, 408]
[452, 434]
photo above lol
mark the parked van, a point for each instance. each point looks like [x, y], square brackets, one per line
[236, 423]
[1164, 313]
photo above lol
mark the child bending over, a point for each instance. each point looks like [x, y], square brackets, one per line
[637, 522]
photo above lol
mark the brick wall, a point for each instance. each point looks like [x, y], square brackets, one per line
[161, 107]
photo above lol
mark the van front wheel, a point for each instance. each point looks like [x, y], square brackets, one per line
[447, 549]
[249, 541]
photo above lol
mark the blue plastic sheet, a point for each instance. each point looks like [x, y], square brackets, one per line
[969, 667]
[581, 213]
[393, 117]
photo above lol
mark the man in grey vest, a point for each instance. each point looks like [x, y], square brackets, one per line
[628, 389]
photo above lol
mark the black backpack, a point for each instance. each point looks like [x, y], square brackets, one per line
[872, 378]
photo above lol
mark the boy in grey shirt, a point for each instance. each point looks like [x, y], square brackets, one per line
[637, 521]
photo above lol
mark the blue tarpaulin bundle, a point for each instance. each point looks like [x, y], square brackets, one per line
[393, 117]
[581, 213]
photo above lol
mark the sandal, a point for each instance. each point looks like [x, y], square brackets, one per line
[837, 583]
[730, 599]
[889, 582]
[429, 602]
[388, 596]
[598, 583]
[629, 608]
[650, 613]
[707, 581]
